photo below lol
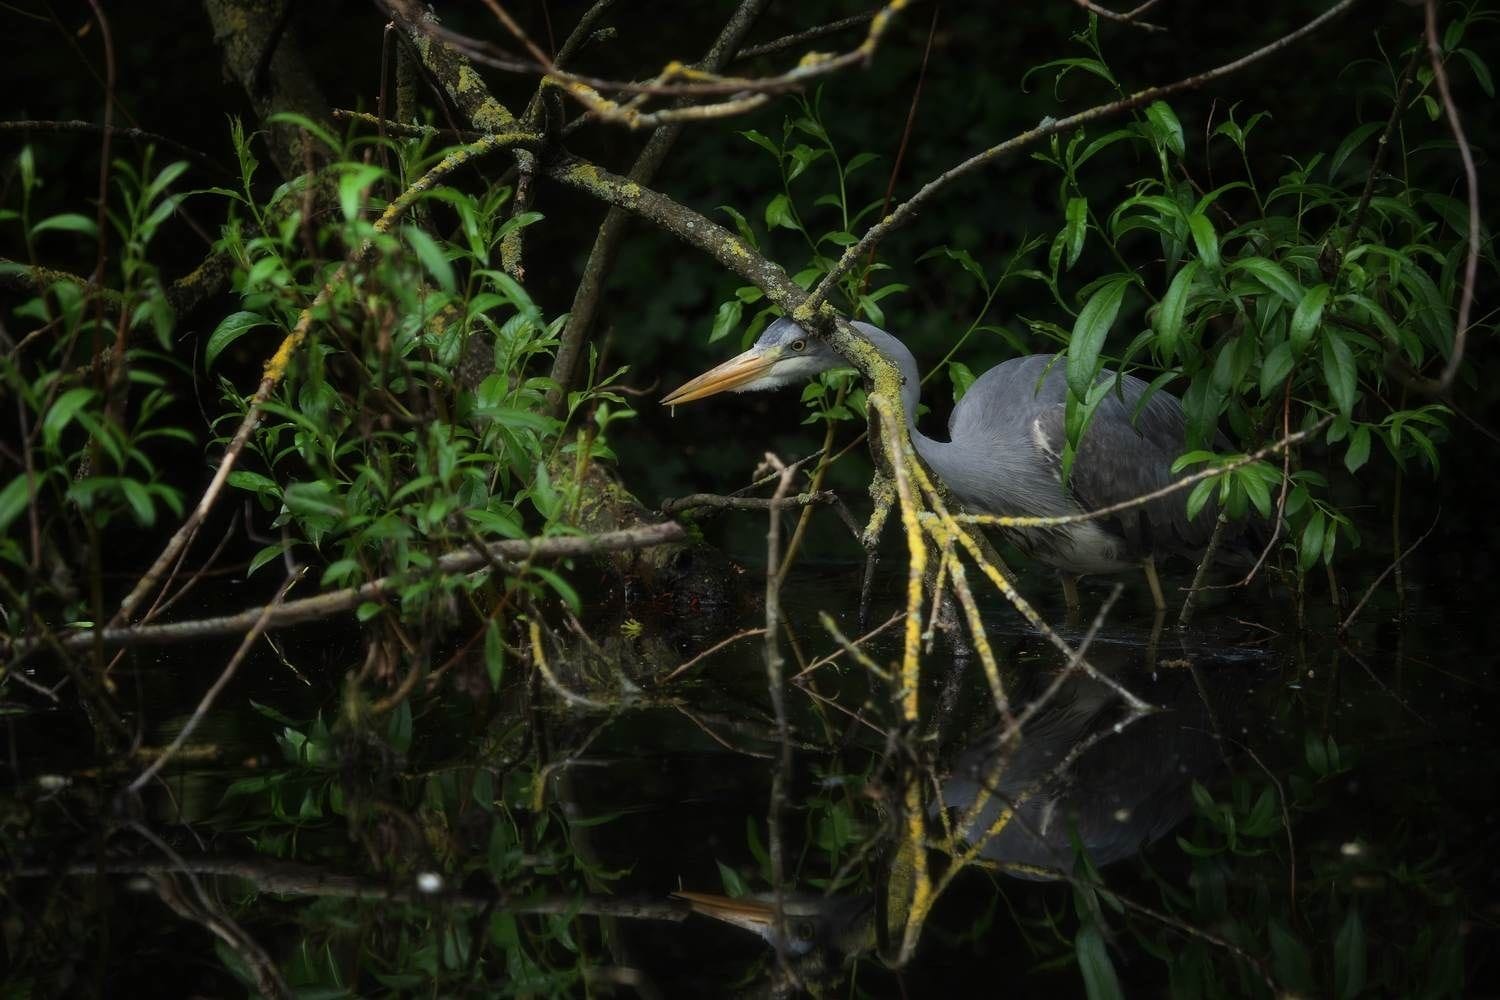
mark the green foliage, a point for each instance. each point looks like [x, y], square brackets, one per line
[352, 463]
[1268, 300]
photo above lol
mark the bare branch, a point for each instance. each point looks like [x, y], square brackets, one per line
[338, 602]
[717, 502]
[1129, 17]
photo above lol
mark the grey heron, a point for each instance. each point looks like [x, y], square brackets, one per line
[1003, 455]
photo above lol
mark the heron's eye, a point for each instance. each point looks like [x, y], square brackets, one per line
[799, 345]
[803, 930]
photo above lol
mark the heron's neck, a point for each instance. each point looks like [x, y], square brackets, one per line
[911, 388]
[941, 456]
[911, 380]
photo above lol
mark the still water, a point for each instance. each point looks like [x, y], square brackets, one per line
[1284, 812]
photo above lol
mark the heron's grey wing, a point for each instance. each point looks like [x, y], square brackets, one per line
[1124, 455]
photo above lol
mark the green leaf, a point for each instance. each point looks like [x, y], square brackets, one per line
[315, 499]
[1359, 448]
[726, 320]
[1339, 371]
[1192, 458]
[265, 555]
[68, 222]
[1481, 72]
[1352, 142]
[734, 885]
[763, 142]
[1166, 127]
[1275, 368]
[1076, 228]
[431, 256]
[1094, 321]
[352, 184]
[1311, 545]
[1349, 956]
[1305, 319]
[1204, 239]
[231, 328]
[140, 502]
[1173, 305]
[741, 224]
[494, 654]
[1273, 276]
[1099, 979]
[961, 377]
[61, 413]
[13, 500]
[1200, 496]
[859, 160]
[779, 213]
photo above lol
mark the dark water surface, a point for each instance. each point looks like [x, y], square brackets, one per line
[1306, 814]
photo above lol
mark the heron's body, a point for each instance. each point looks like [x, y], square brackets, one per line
[1005, 444]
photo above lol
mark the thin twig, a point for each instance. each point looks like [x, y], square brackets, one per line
[212, 694]
[1190, 602]
[711, 650]
[715, 501]
[1382, 147]
[1276, 518]
[776, 683]
[133, 134]
[1400, 557]
[1007, 521]
[1129, 17]
[850, 647]
[1471, 178]
[796, 39]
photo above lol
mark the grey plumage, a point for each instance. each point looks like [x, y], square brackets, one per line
[1006, 438]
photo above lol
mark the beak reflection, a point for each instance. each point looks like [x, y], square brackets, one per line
[732, 374]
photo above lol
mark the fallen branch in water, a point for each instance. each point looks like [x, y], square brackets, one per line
[338, 602]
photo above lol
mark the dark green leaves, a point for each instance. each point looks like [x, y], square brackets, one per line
[1173, 305]
[1307, 317]
[231, 328]
[1099, 979]
[1165, 127]
[1090, 330]
[1075, 229]
[779, 213]
[1339, 372]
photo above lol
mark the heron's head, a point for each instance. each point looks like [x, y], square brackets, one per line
[784, 354]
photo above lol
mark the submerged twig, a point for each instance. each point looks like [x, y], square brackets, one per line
[212, 694]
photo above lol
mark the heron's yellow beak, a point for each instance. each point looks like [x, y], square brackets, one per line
[749, 914]
[732, 374]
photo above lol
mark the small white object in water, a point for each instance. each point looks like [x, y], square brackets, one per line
[1352, 849]
[430, 882]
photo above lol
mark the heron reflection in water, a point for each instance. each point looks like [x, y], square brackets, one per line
[1128, 788]
[1005, 447]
